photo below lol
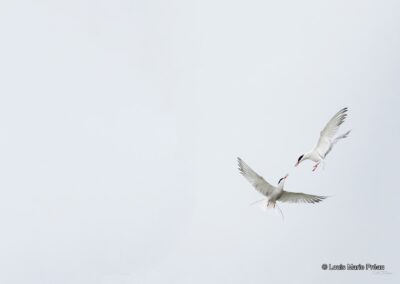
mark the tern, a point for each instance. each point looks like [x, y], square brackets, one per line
[275, 193]
[326, 140]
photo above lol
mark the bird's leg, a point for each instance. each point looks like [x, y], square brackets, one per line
[315, 167]
[271, 204]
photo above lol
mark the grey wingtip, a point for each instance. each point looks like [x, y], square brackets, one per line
[319, 199]
[322, 198]
[343, 112]
[240, 165]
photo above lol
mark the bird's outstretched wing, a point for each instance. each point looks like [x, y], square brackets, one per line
[299, 197]
[256, 180]
[336, 140]
[329, 131]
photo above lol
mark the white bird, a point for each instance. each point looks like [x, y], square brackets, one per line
[326, 140]
[275, 193]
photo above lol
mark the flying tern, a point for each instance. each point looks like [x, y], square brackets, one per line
[326, 140]
[275, 193]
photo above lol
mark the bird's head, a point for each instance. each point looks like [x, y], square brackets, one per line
[281, 182]
[299, 160]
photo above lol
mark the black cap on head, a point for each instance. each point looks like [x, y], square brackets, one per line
[301, 157]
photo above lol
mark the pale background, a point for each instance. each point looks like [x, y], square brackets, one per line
[121, 121]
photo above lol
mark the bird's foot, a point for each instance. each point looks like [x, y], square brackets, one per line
[315, 167]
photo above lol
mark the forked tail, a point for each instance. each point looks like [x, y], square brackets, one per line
[270, 205]
[283, 217]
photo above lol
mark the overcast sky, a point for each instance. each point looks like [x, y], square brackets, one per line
[121, 121]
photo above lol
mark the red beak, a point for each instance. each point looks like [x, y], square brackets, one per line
[297, 164]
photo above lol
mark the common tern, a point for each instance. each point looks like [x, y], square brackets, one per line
[275, 193]
[326, 140]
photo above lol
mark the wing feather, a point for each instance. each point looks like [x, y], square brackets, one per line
[329, 131]
[256, 180]
[299, 197]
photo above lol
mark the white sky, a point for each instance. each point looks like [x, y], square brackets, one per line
[121, 122]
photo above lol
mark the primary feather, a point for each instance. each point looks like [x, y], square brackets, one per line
[326, 138]
[256, 180]
[299, 197]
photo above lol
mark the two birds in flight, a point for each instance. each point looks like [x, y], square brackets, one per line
[326, 141]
